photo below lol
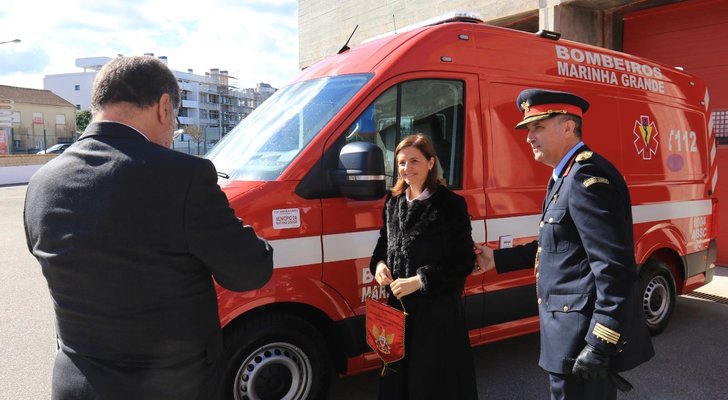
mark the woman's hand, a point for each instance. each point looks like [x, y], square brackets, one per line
[484, 260]
[404, 286]
[383, 276]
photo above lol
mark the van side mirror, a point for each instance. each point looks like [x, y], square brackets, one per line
[360, 174]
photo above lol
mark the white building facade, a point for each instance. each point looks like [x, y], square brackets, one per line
[211, 104]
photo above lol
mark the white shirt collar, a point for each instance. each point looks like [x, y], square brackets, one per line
[423, 196]
[121, 123]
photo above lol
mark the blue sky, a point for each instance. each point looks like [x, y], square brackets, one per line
[255, 40]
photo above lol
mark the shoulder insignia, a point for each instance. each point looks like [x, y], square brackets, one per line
[605, 334]
[584, 155]
[595, 179]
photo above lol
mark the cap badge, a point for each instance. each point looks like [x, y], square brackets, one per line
[525, 106]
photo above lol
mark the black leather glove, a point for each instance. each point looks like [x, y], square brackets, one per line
[591, 364]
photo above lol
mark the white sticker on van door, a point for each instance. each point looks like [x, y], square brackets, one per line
[286, 218]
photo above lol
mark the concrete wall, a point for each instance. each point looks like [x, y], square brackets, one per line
[17, 169]
[324, 25]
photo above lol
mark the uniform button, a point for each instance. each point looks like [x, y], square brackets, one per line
[536, 275]
[539, 300]
[566, 308]
[541, 224]
[551, 220]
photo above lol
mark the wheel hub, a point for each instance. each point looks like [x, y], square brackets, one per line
[274, 371]
[656, 298]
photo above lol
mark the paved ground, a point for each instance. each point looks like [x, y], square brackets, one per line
[691, 360]
[690, 363]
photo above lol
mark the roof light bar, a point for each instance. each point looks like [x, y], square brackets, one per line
[453, 16]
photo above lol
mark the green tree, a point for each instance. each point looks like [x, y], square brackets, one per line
[83, 118]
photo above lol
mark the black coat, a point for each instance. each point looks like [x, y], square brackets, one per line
[431, 238]
[129, 236]
[587, 276]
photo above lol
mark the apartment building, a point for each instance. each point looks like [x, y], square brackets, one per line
[212, 104]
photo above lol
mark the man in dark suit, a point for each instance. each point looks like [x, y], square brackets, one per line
[129, 235]
[592, 324]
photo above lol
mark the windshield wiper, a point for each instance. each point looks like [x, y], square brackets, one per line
[223, 175]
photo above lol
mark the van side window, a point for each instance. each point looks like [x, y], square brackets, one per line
[427, 106]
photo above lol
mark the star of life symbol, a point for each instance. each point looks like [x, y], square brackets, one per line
[646, 142]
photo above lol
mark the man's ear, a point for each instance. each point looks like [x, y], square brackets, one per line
[164, 107]
[569, 126]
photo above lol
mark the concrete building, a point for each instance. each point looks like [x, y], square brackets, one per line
[37, 119]
[76, 86]
[212, 104]
[253, 97]
[688, 34]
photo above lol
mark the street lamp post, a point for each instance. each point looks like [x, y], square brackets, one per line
[11, 41]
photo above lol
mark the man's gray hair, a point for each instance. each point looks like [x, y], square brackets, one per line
[577, 123]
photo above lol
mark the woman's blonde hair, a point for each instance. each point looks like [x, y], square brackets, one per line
[424, 145]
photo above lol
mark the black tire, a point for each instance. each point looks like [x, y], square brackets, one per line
[276, 356]
[657, 286]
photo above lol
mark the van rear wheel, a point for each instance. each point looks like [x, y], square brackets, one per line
[274, 357]
[658, 295]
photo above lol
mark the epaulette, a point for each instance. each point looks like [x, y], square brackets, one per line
[584, 155]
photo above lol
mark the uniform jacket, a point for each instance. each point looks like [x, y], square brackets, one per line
[129, 236]
[587, 276]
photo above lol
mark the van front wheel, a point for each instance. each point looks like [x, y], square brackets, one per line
[275, 357]
[658, 295]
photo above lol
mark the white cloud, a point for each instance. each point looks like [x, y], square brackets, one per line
[256, 41]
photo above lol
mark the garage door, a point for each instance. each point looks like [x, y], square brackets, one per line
[693, 35]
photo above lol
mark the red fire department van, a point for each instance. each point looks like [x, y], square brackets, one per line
[305, 169]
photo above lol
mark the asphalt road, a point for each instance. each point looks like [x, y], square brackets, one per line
[691, 361]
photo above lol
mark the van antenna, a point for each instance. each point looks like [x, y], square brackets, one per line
[394, 22]
[346, 45]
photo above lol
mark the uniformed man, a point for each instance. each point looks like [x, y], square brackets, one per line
[592, 323]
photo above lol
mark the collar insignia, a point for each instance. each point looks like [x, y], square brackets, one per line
[584, 155]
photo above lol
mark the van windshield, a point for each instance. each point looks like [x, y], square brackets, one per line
[264, 143]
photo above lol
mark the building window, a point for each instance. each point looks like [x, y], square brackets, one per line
[720, 126]
[78, 107]
[77, 87]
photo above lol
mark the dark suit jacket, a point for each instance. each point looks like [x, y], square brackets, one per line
[587, 276]
[129, 235]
